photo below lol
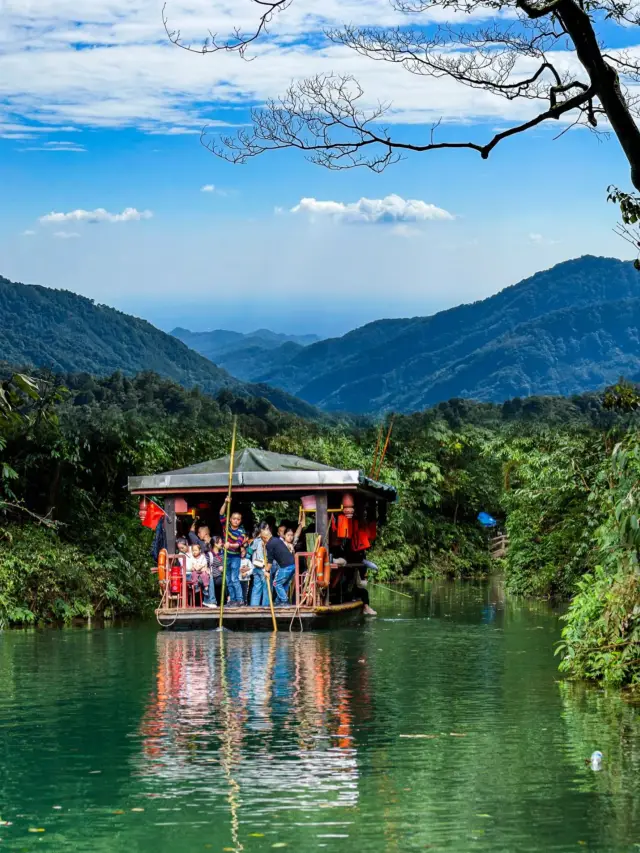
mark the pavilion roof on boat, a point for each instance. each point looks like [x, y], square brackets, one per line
[256, 472]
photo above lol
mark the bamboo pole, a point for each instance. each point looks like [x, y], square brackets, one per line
[390, 589]
[386, 445]
[376, 451]
[227, 517]
[268, 579]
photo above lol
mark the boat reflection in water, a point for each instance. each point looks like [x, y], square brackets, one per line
[250, 727]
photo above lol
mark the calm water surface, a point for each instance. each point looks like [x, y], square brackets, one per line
[441, 725]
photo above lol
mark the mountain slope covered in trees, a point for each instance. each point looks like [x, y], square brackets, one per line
[65, 332]
[568, 329]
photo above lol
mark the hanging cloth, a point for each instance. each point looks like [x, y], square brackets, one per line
[159, 540]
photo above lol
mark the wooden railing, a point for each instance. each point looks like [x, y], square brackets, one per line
[498, 546]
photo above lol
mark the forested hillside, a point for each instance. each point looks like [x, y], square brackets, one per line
[65, 332]
[569, 329]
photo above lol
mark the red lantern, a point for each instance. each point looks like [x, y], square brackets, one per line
[142, 511]
[348, 505]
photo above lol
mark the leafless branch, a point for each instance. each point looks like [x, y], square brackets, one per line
[321, 117]
[238, 42]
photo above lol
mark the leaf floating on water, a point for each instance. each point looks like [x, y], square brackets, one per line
[483, 815]
[280, 844]
[57, 808]
[256, 835]
[457, 734]
[118, 811]
[138, 809]
[5, 823]
[94, 772]
[36, 829]
[418, 736]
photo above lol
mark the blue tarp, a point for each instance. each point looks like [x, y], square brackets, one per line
[486, 520]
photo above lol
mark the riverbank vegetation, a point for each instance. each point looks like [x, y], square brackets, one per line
[559, 474]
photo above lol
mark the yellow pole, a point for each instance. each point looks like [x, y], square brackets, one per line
[228, 516]
[268, 579]
[384, 449]
[376, 451]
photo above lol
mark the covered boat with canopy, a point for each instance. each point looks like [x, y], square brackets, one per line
[346, 506]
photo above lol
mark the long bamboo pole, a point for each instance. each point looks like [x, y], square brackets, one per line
[384, 449]
[227, 517]
[390, 589]
[268, 579]
[376, 451]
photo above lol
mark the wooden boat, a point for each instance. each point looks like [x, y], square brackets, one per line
[259, 618]
[262, 477]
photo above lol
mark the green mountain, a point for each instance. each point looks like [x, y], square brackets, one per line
[69, 333]
[566, 330]
[245, 355]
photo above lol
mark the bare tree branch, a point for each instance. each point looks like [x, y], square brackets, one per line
[238, 42]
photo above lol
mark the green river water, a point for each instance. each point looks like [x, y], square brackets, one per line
[441, 725]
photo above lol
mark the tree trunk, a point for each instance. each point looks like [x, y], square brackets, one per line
[606, 81]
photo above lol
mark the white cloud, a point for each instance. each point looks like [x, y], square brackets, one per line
[392, 208]
[65, 235]
[129, 214]
[57, 146]
[127, 73]
[28, 233]
[540, 240]
[208, 188]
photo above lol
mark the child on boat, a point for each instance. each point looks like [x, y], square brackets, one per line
[246, 570]
[215, 558]
[236, 539]
[198, 570]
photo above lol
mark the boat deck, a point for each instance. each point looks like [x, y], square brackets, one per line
[259, 618]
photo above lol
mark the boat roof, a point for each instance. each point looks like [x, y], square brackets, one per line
[257, 470]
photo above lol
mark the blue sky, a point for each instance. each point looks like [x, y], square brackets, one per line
[99, 113]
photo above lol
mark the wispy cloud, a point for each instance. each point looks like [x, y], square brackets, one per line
[540, 240]
[65, 235]
[392, 208]
[57, 146]
[129, 214]
[212, 188]
[28, 233]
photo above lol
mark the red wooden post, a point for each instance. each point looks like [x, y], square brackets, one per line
[297, 584]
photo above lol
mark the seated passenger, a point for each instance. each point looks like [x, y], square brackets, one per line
[198, 571]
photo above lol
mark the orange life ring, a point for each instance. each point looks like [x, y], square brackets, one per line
[162, 565]
[323, 568]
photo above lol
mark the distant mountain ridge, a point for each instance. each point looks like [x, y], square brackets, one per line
[44, 327]
[565, 330]
[242, 352]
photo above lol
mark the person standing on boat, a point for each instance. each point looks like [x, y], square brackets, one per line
[259, 590]
[236, 539]
[277, 552]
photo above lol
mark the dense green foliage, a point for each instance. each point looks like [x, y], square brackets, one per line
[566, 330]
[561, 474]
